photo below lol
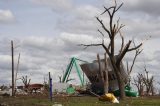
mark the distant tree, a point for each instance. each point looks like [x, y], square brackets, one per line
[3, 87]
[138, 82]
[148, 81]
[26, 82]
[112, 31]
[144, 83]
[60, 78]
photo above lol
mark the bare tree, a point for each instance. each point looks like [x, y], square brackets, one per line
[138, 51]
[138, 82]
[148, 82]
[60, 79]
[112, 31]
[26, 82]
[144, 83]
[103, 73]
[129, 70]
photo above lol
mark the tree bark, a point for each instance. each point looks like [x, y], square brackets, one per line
[106, 84]
[121, 83]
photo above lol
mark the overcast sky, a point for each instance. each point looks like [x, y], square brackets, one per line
[47, 32]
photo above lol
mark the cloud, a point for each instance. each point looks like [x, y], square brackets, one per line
[86, 12]
[146, 6]
[80, 20]
[57, 5]
[39, 55]
[5, 62]
[6, 16]
[140, 17]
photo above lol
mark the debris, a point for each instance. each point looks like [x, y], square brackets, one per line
[59, 87]
[92, 72]
[70, 90]
[57, 105]
[3, 104]
[6, 92]
[128, 91]
[109, 97]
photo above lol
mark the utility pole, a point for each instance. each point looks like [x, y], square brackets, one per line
[50, 87]
[12, 50]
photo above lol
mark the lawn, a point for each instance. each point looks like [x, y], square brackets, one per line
[75, 101]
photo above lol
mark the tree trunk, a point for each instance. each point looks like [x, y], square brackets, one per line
[106, 84]
[141, 90]
[103, 73]
[105, 87]
[121, 85]
[120, 79]
[152, 90]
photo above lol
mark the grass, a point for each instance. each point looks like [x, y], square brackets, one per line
[26, 101]
[93, 101]
[76, 101]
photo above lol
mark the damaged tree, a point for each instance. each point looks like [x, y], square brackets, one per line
[148, 82]
[144, 83]
[26, 82]
[138, 82]
[103, 73]
[112, 31]
[129, 70]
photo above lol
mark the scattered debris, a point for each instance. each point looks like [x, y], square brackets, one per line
[106, 97]
[3, 104]
[59, 87]
[57, 105]
[109, 97]
[7, 92]
[70, 90]
[92, 72]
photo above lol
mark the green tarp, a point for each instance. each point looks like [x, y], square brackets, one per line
[128, 91]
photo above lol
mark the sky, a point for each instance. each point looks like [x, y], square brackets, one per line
[47, 32]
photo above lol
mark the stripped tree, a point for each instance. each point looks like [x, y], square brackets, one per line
[26, 82]
[103, 73]
[144, 83]
[129, 70]
[148, 81]
[138, 82]
[112, 31]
